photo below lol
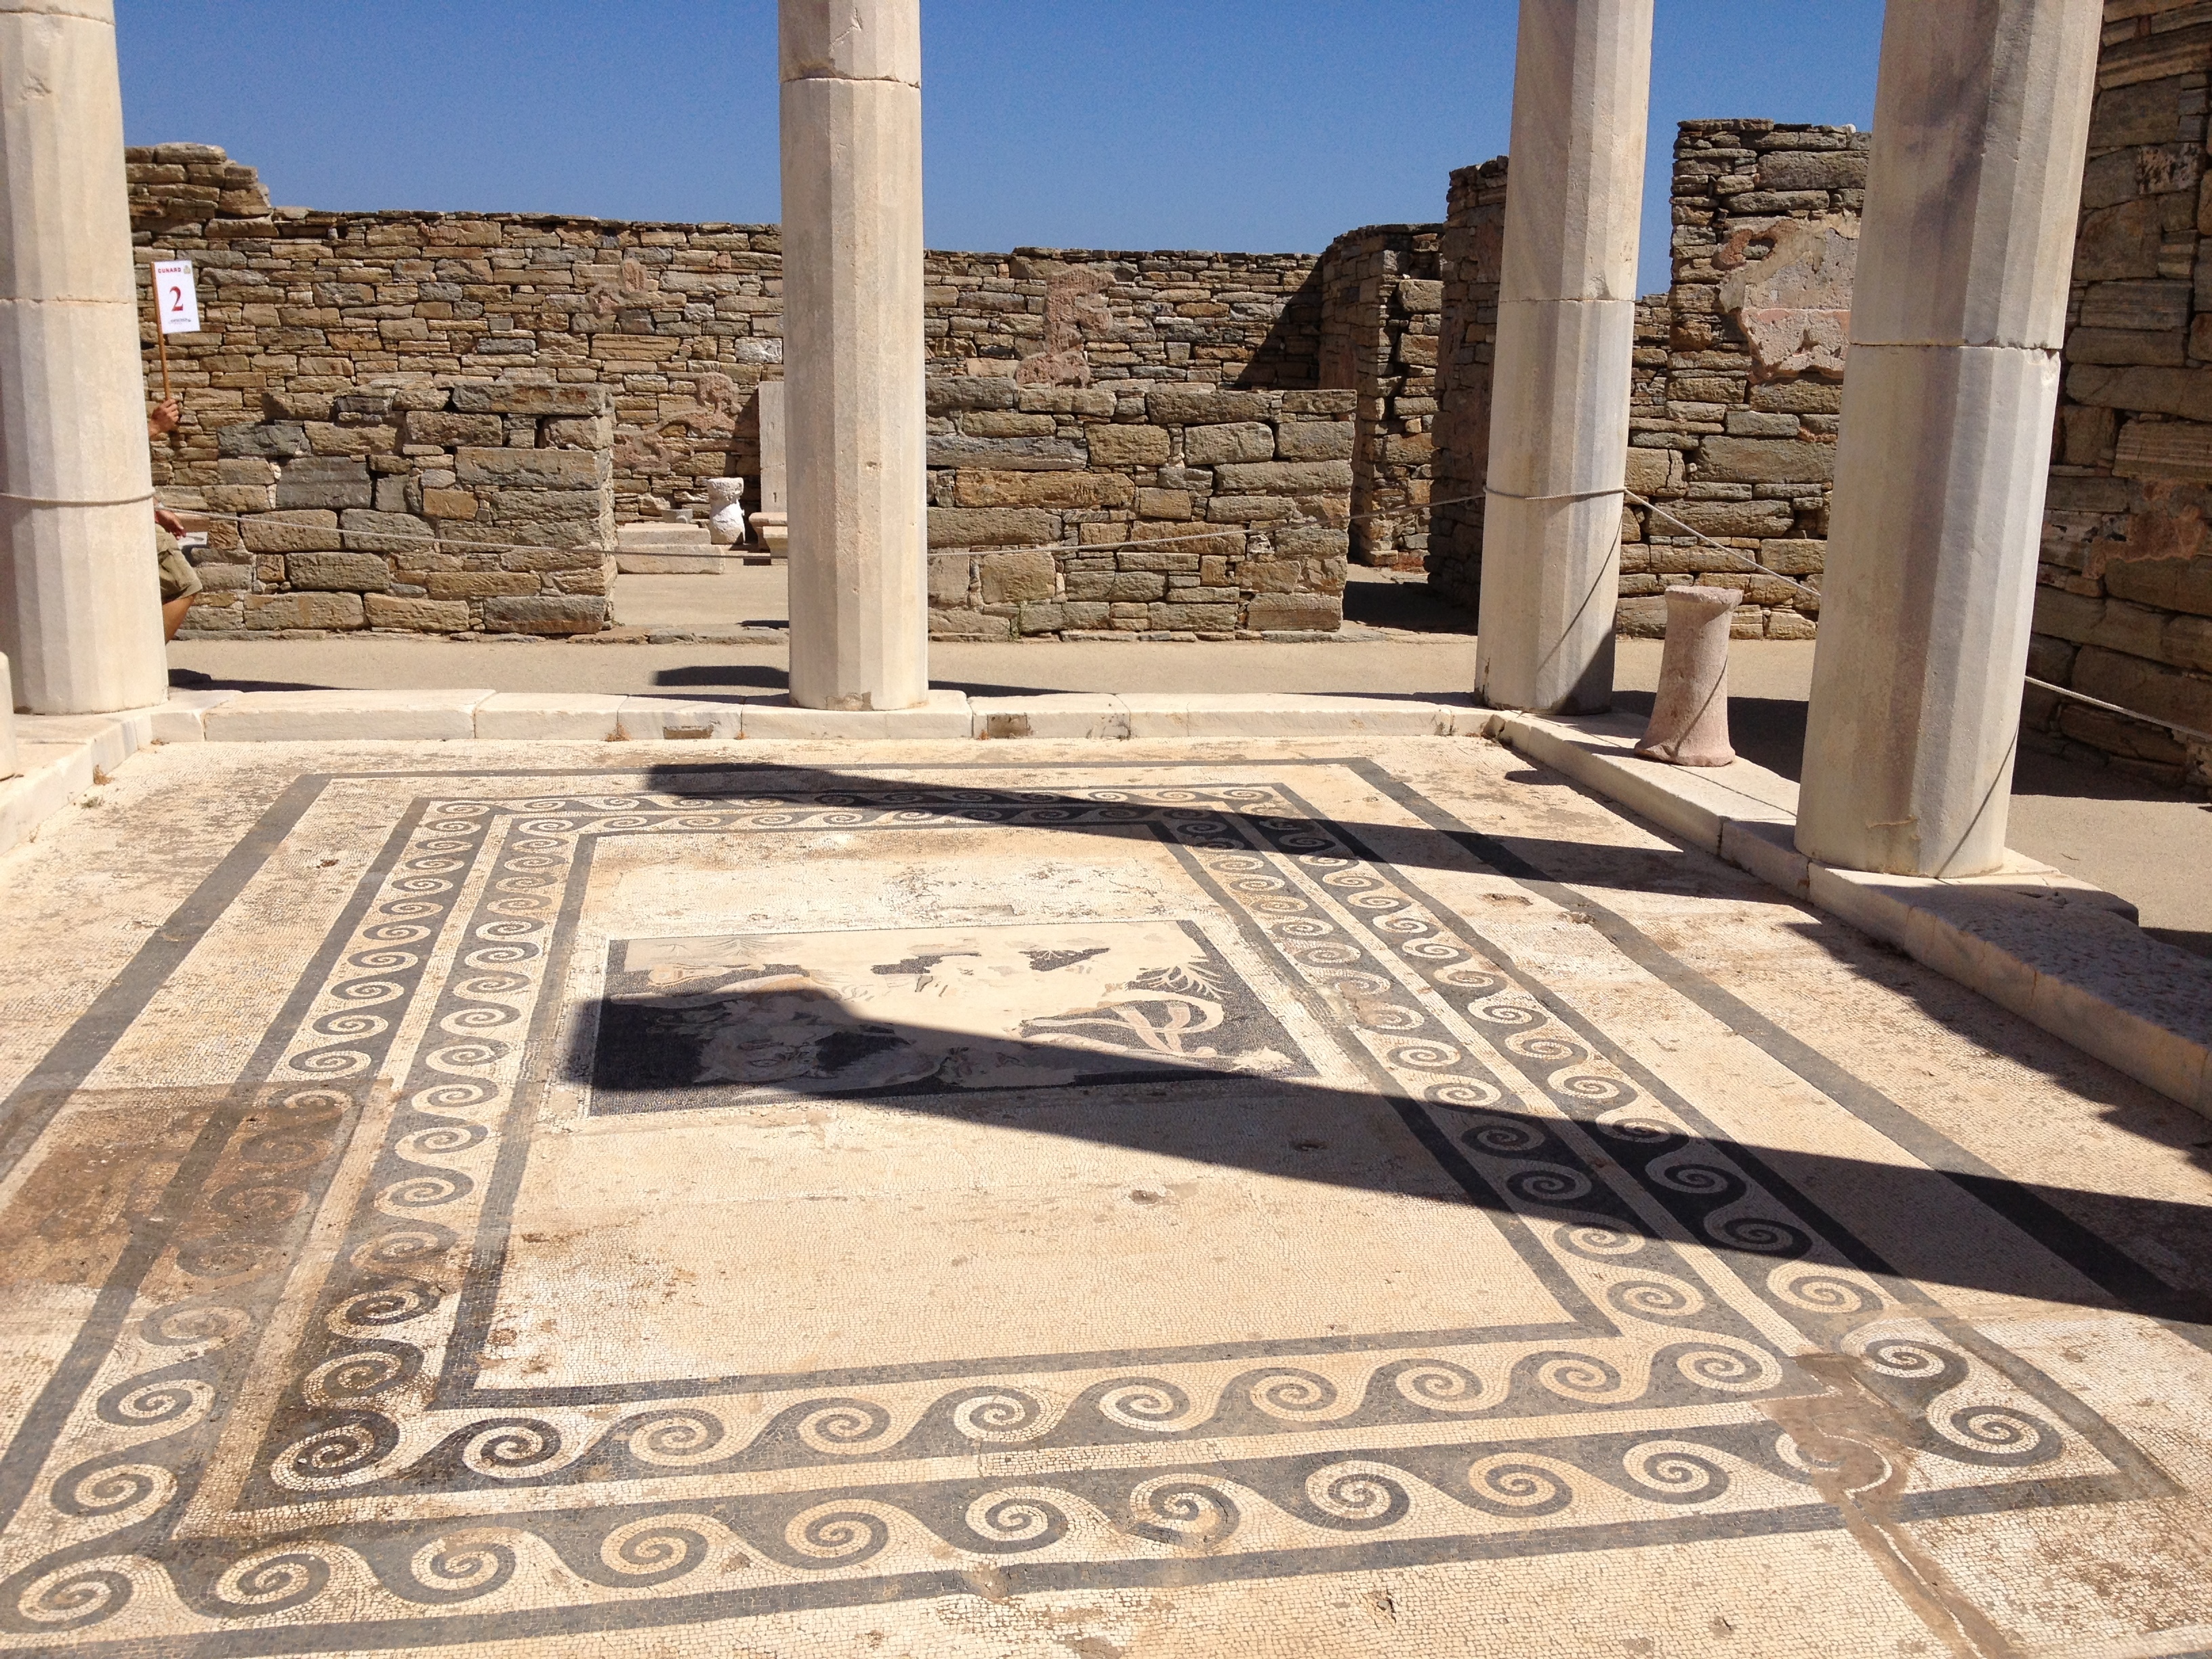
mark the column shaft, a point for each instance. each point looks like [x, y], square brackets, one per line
[1966, 250]
[853, 352]
[1566, 331]
[79, 599]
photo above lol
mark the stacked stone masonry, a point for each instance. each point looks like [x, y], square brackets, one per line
[1733, 429]
[1470, 264]
[1186, 511]
[2123, 608]
[482, 508]
[1382, 314]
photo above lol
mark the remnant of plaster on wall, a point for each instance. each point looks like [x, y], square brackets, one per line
[1792, 302]
[1073, 300]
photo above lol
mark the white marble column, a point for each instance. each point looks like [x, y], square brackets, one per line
[853, 352]
[1566, 328]
[1966, 250]
[80, 599]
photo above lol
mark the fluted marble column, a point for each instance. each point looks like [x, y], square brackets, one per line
[79, 599]
[853, 352]
[1966, 250]
[1566, 328]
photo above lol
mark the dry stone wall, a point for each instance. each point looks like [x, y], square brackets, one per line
[673, 327]
[2124, 607]
[487, 507]
[1470, 265]
[1117, 508]
[1733, 433]
[1383, 314]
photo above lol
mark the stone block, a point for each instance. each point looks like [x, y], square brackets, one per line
[447, 430]
[343, 716]
[1196, 406]
[1759, 423]
[545, 613]
[416, 615]
[1764, 519]
[509, 397]
[950, 394]
[951, 527]
[1655, 472]
[658, 720]
[1337, 401]
[1127, 445]
[451, 505]
[948, 580]
[551, 558]
[1091, 402]
[578, 432]
[574, 470]
[1195, 544]
[1010, 454]
[1285, 478]
[1043, 489]
[1006, 423]
[1181, 616]
[1315, 440]
[1765, 460]
[270, 611]
[1009, 578]
[308, 531]
[957, 623]
[323, 481]
[478, 584]
[1250, 509]
[1797, 555]
[368, 532]
[239, 498]
[1241, 440]
[2165, 449]
[1117, 587]
[1087, 715]
[1313, 541]
[945, 714]
[548, 716]
[1799, 170]
[341, 572]
[1318, 613]
[1169, 504]
[271, 440]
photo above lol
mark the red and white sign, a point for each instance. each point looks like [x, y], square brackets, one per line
[176, 296]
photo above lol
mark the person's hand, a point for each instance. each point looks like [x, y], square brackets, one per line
[164, 419]
[168, 521]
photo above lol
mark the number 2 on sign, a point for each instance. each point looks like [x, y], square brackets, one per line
[180, 299]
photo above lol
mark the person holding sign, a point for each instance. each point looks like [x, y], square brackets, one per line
[177, 307]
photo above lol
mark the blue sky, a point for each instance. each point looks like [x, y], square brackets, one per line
[1260, 124]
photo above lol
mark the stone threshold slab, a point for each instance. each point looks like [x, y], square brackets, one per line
[2067, 956]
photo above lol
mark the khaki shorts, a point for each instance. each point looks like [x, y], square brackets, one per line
[178, 579]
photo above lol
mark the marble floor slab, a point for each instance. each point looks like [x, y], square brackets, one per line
[1280, 1197]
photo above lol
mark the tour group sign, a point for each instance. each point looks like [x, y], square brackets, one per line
[176, 307]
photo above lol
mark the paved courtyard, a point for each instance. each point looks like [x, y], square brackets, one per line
[1194, 1199]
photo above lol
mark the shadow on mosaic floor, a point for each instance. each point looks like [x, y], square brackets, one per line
[1132, 1072]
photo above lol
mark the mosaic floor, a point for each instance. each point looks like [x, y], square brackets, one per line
[1206, 1199]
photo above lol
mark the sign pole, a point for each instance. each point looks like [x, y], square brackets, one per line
[161, 346]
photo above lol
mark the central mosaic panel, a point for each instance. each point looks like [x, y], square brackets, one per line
[741, 1018]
